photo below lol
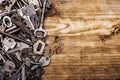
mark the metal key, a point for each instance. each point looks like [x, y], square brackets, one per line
[8, 43]
[16, 38]
[36, 46]
[21, 47]
[9, 66]
[48, 52]
[44, 61]
[40, 29]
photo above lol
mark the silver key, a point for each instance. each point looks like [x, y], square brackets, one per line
[8, 43]
[40, 29]
[44, 61]
[36, 45]
[48, 52]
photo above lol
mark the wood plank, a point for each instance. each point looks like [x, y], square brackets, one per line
[79, 52]
[76, 60]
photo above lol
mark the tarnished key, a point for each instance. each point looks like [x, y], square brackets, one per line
[44, 61]
[9, 66]
[8, 43]
[48, 52]
[38, 47]
[40, 29]
[11, 36]
[20, 48]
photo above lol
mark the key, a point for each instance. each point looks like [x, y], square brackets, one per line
[9, 66]
[19, 63]
[16, 75]
[18, 39]
[48, 52]
[8, 43]
[44, 61]
[20, 48]
[37, 70]
[30, 15]
[30, 23]
[38, 47]
[40, 29]
[17, 20]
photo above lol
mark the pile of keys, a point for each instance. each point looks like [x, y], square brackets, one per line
[23, 49]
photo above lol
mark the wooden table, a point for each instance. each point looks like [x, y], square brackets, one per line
[74, 34]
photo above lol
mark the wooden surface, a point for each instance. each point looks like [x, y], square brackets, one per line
[74, 32]
[74, 35]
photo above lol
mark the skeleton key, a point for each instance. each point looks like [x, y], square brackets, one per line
[40, 29]
[16, 38]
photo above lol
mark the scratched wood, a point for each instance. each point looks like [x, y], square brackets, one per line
[73, 33]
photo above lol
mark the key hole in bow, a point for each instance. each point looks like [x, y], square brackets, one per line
[7, 21]
[39, 47]
[40, 33]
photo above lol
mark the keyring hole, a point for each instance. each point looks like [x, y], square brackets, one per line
[39, 47]
[10, 67]
[7, 22]
[40, 33]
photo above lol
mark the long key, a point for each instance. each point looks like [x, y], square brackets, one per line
[40, 29]
[22, 40]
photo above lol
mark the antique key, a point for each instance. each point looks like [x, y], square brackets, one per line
[38, 47]
[40, 29]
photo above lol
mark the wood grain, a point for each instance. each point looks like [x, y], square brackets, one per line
[74, 36]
